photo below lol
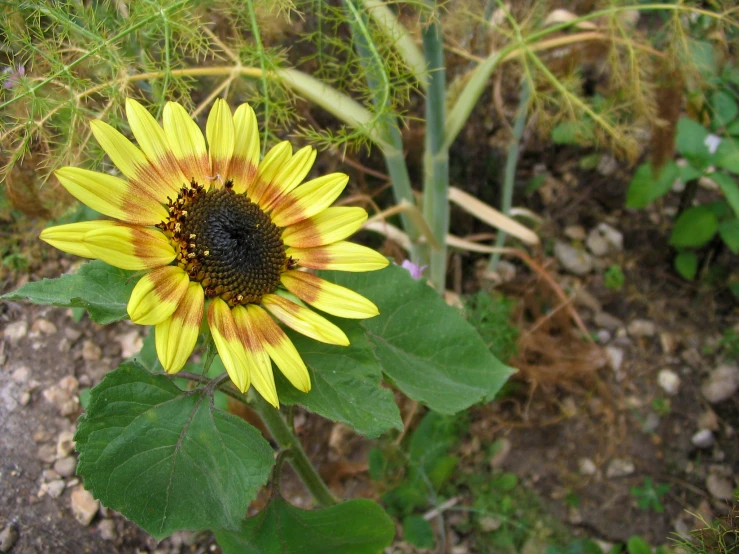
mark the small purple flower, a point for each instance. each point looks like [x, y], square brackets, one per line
[13, 76]
[416, 271]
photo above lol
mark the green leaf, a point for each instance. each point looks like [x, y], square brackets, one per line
[727, 155]
[638, 545]
[574, 132]
[702, 55]
[724, 107]
[165, 458]
[686, 264]
[729, 232]
[353, 527]
[729, 188]
[733, 128]
[418, 532]
[646, 187]
[346, 383]
[688, 173]
[695, 227]
[691, 142]
[101, 289]
[425, 346]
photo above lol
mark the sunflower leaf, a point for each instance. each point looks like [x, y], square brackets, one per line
[345, 383]
[99, 288]
[165, 458]
[353, 527]
[425, 346]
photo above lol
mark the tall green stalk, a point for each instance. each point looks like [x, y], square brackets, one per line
[506, 199]
[290, 444]
[436, 155]
[392, 143]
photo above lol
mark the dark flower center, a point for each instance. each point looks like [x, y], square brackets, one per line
[227, 243]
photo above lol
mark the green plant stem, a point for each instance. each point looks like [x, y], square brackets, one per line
[286, 439]
[392, 145]
[510, 169]
[436, 155]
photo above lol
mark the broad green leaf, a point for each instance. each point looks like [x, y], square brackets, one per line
[418, 532]
[346, 383]
[729, 232]
[688, 173]
[425, 346]
[99, 288]
[646, 187]
[733, 128]
[724, 107]
[694, 227]
[702, 55]
[729, 188]
[727, 155]
[686, 264]
[691, 142]
[353, 527]
[638, 545]
[166, 458]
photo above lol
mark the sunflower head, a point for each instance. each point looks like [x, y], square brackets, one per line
[221, 232]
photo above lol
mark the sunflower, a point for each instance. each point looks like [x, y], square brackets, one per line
[219, 232]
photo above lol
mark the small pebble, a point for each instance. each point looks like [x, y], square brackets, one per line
[587, 466]
[8, 537]
[607, 321]
[91, 352]
[66, 466]
[708, 420]
[107, 530]
[575, 232]
[669, 381]
[16, 331]
[702, 439]
[54, 488]
[65, 444]
[84, 506]
[21, 374]
[619, 468]
[47, 453]
[72, 334]
[573, 260]
[719, 486]
[44, 326]
[721, 384]
[642, 328]
[615, 357]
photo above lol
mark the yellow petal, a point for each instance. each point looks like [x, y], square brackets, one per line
[132, 162]
[111, 196]
[280, 349]
[157, 295]
[228, 343]
[304, 320]
[260, 367]
[153, 142]
[220, 132]
[186, 142]
[328, 297]
[290, 175]
[68, 238]
[176, 336]
[130, 247]
[329, 226]
[245, 160]
[309, 199]
[268, 168]
[341, 256]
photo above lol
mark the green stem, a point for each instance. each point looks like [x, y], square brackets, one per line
[286, 439]
[510, 169]
[436, 156]
[392, 144]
